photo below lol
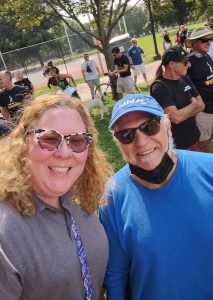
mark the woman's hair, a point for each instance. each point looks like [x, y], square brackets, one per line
[50, 63]
[159, 72]
[15, 175]
[55, 69]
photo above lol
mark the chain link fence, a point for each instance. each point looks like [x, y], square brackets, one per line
[34, 57]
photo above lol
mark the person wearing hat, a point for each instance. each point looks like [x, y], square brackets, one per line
[179, 98]
[158, 212]
[201, 74]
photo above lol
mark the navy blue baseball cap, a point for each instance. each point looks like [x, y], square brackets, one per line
[135, 102]
[175, 53]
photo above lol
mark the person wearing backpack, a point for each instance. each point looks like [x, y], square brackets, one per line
[179, 98]
[91, 73]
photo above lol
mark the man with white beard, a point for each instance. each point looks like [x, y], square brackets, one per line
[158, 212]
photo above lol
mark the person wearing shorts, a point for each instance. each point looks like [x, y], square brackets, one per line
[201, 74]
[136, 61]
[125, 81]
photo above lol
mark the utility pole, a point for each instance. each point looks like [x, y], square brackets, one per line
[68, 40]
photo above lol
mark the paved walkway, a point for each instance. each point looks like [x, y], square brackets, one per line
[151, 68]
[73, 67]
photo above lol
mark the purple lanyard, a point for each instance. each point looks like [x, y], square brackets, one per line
[83, 262]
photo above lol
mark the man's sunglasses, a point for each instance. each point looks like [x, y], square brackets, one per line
[204, 41]
[51, 140]
[150, 127]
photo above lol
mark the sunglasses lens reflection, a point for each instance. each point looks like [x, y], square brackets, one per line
[51, 140]
[149, 128]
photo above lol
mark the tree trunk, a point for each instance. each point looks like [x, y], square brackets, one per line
[110, 67]
[157, 55]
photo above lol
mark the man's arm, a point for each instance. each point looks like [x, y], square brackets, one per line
[118, 71]
[5, 113]
[83, 73]
[179, 115]
[97, 68]
[118, 264]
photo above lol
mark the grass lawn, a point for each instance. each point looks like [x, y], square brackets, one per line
[147, 44]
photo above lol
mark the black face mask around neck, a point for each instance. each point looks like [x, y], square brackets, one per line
[158, 174]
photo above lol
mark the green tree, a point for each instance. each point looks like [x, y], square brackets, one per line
[204, 9]
[104, 15]
[136, 21]
[170, 12]
[15, 38]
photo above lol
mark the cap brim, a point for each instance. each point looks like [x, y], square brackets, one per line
[188, 41]
[154, 112]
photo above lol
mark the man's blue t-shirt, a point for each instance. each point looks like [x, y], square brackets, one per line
[135, 54]
[161, 240]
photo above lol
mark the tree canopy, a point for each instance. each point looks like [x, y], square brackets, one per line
[104, 15]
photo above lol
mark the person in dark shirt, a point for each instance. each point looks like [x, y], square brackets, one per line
[6, 126]
[179, 98]
[125, 81]
[11, 97]
[167, 43]
[201, 74]
[60, 80]
[25, 82]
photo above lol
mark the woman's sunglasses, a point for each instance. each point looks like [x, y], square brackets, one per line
[51, 140]
[150, 127]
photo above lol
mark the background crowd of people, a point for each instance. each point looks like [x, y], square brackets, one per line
[69, 227]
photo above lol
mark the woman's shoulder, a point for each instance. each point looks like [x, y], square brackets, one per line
[10, 218]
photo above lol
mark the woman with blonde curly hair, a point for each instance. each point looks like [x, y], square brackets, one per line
[52, 245]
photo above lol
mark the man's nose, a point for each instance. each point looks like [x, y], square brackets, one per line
[140, 137]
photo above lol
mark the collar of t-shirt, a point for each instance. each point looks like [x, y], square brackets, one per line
[199, 55]
[41, 205]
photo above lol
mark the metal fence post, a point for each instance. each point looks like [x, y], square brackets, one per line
[5, 67]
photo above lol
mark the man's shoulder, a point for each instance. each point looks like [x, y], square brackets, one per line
[92, 62]
[130, 49]
[18, 89]
[3, 92]
[124, 58]
[83, 64]
[122, 174]
[159, 84]
[196, 160]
